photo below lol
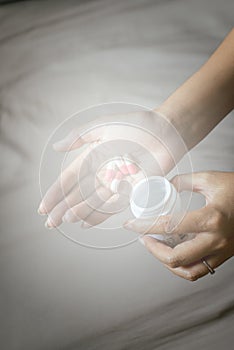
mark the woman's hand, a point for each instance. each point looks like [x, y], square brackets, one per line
[194, 109]
[212, 224]
[83, 191]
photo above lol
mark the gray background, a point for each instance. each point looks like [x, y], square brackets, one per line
[57, 57]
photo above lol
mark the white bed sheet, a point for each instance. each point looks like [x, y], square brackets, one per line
[57, 57]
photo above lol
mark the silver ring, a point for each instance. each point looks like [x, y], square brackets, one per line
[211, 270]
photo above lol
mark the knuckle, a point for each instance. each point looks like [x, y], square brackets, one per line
[204, 177]
[207, 176]
[215, 220]
[201, 223]
[223, 243]
[173, 261]
[205, 225]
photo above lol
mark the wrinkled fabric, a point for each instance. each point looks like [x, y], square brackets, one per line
[57, 57]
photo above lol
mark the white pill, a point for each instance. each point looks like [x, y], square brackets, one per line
[114, 185]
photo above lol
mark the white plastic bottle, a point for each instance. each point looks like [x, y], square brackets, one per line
[156, 196]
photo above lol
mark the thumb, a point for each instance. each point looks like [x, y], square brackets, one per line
[194, 182]
[195, 221]
[88, 133]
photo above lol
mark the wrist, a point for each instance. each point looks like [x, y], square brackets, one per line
[178, 116]
[168, 133]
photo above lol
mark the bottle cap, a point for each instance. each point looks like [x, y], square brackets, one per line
[153, 196]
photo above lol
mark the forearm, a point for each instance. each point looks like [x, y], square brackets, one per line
[206, 98]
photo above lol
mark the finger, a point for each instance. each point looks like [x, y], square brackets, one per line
[95, 218]
[73, 198]
[195, 221]
[196, 182]
[190, 251]
[85, 208]
[65, 182]
[158, 249]
[77, 139]
[90, 132]
[108, 209]
[103, 213]
[198, 270]
[57, 213]
[95, 211]
[185, 253]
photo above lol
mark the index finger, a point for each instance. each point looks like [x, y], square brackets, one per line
[183, 254]
[65, 182]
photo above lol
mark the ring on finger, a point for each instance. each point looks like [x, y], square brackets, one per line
[211, 270]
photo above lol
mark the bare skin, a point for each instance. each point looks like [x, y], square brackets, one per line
[194, 109]
[197, 106]
[212, 224]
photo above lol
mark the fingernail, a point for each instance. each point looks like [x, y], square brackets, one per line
[48, 224]
[141, 240]
[59, 144]
[66, 218]
[56, 144]
[85, 225]
[128, 224]
[41, 210]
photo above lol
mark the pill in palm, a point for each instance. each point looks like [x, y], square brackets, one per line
[124, 169]
[110, 171]
[132, 169]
